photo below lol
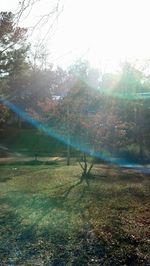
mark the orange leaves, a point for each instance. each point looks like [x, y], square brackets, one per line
[34, 114]
[48, 104]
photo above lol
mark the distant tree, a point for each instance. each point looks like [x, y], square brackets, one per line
[128, 89]
[13, 47]
[4, 114]
[13, 55]
[13, 52]
[86, 119]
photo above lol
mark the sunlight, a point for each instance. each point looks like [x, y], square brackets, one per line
[74, 132]
[103, 31]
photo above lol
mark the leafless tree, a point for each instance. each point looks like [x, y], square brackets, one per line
[48, 18]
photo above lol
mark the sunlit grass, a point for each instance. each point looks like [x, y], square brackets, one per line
[47, 216]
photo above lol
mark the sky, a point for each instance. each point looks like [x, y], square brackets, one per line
[105, 32]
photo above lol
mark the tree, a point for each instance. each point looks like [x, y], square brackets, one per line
[13, 55]
[13, 52]
[130, 91]
[13, 47]
[84, 122]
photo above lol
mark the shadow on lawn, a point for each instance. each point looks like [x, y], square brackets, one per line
[19, 200]
[18, 235]
[23, 241]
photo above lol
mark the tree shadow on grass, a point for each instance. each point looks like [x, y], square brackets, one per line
[22, 241]
[18, 234]
[17, 200]
[21, 238]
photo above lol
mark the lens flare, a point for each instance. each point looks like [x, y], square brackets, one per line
[49, 131]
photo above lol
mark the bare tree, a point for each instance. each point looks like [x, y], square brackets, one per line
[38, 57]
[49, 18]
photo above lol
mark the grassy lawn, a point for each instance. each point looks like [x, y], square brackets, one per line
[49, 218]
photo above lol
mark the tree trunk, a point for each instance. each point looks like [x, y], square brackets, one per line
[68, 154]
[86, 170]
[68, 136]
[19, 122]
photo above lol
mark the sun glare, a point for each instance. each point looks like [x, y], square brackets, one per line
[103, 31]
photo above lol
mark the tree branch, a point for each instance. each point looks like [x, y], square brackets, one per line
[90, 168]
[81, 165]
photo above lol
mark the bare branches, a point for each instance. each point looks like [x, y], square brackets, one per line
[81, 165]
[47, 19]
[23, 6]
[90, 168]
[85, 167]
[54, 15]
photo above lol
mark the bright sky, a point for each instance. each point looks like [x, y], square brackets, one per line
[100, 30]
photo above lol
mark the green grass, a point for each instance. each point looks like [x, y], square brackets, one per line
[49, 218]
[30, 142]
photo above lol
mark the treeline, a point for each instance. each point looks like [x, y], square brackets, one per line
[104, 115]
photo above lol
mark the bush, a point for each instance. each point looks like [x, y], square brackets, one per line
[132, 154]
